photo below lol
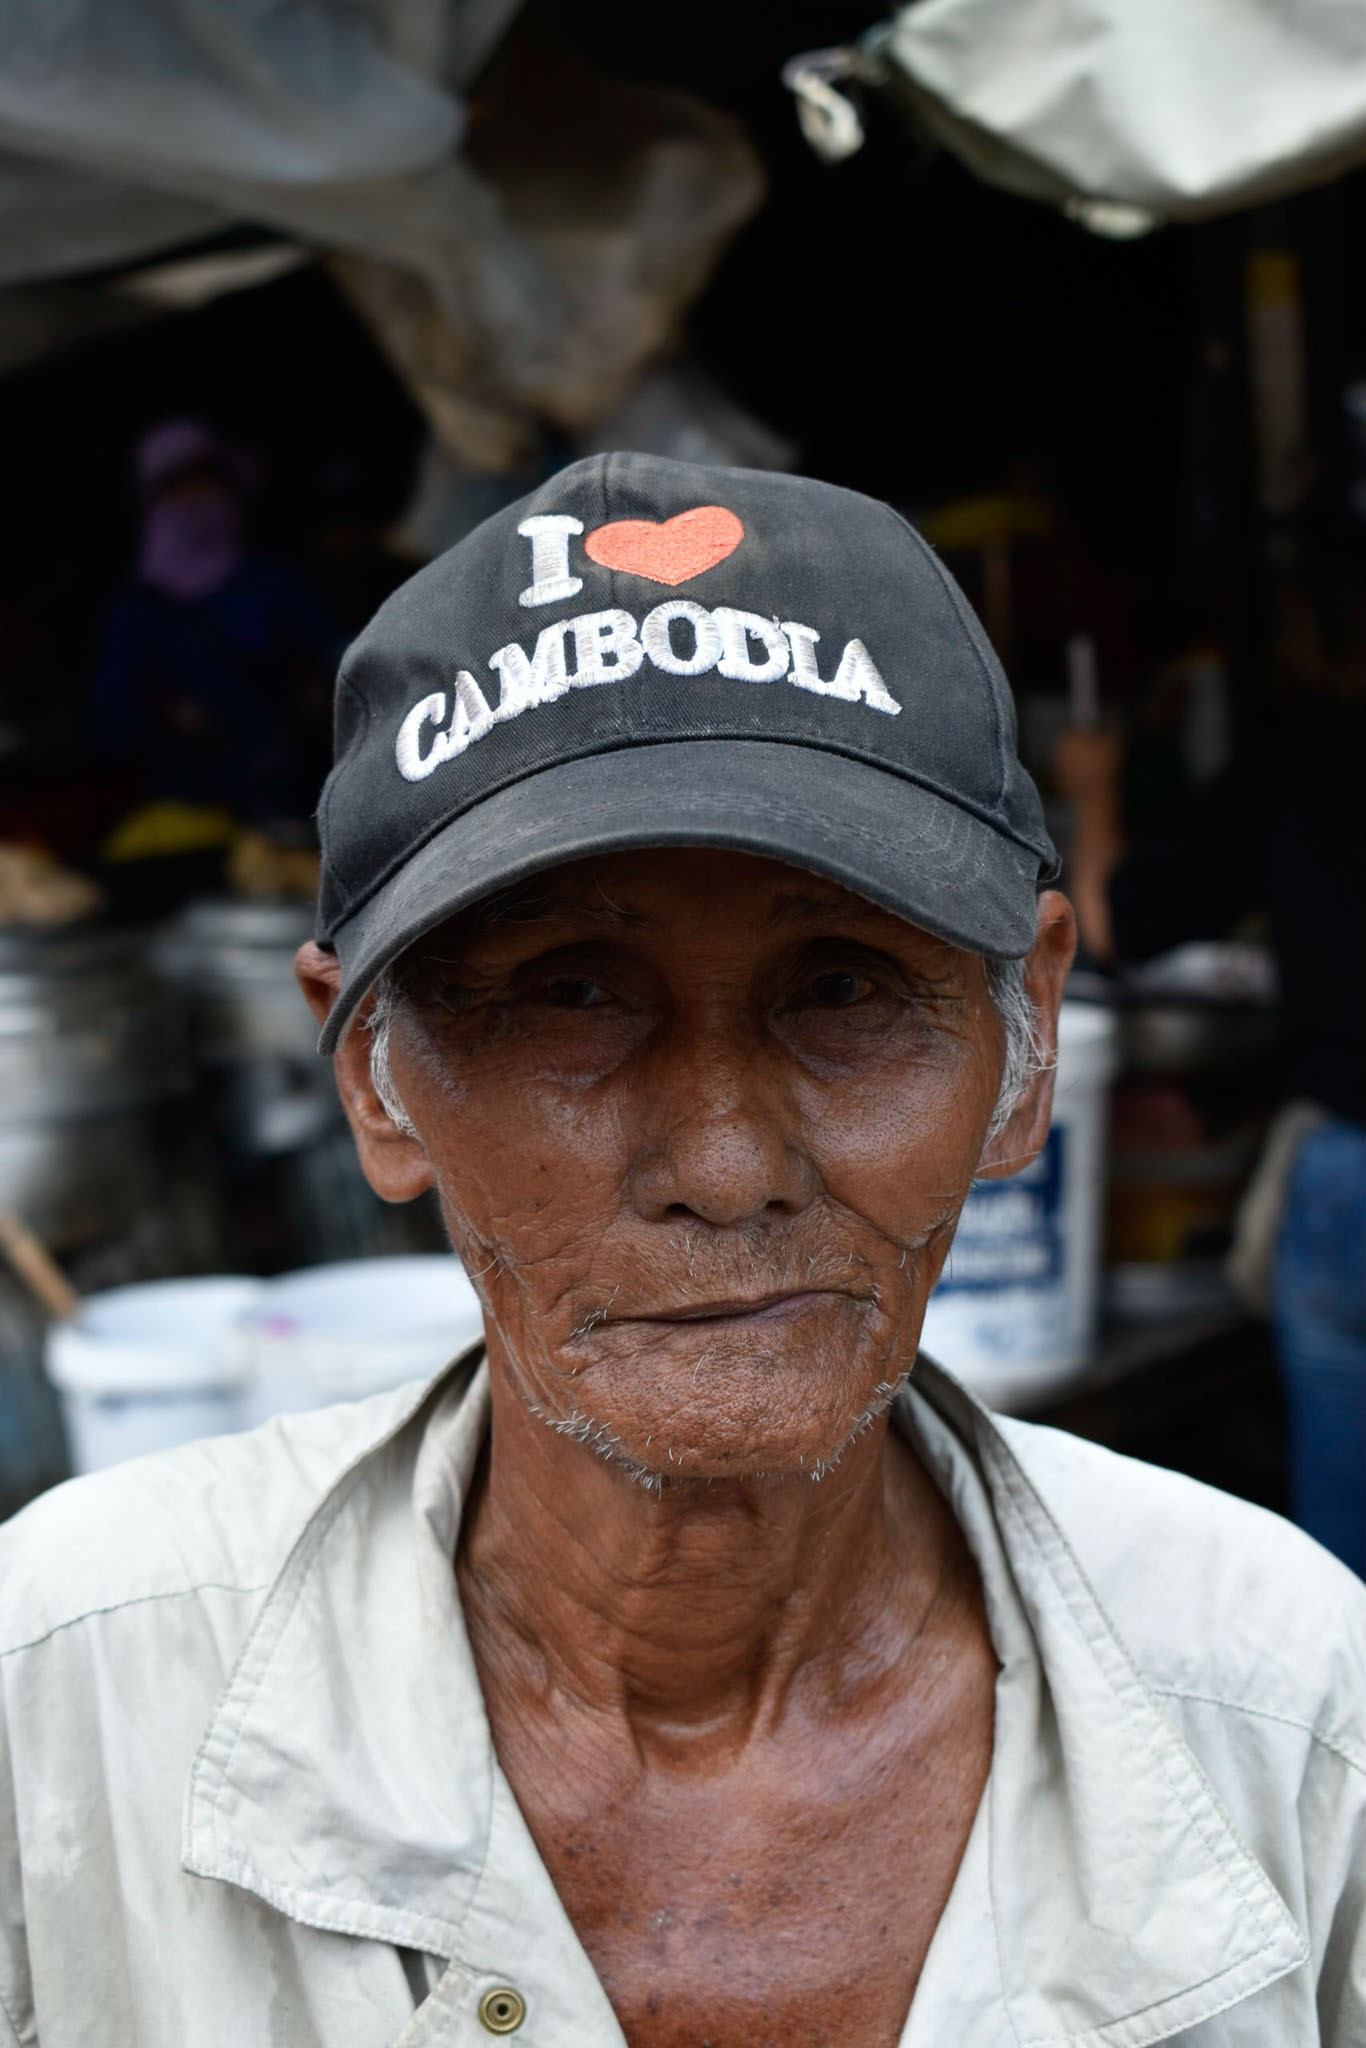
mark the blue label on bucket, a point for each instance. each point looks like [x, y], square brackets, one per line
[1010, 1231]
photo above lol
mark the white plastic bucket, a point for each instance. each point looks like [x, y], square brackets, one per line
[361, 1326]
[1014, 1314]
[145, 1367]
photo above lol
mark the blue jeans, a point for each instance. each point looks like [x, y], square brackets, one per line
[1320, 1309]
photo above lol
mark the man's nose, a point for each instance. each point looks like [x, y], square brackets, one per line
[720, 1137]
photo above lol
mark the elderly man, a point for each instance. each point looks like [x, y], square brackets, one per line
[698, 1666]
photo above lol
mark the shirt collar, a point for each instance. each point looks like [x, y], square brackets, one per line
[1125, 1908]
[347, 1776]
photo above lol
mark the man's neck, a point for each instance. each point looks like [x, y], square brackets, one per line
[709, 1610]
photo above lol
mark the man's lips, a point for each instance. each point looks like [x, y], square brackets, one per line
[763, 1307]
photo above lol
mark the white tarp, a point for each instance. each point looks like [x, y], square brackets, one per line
[1172, 108]
[131, 126]
[303, 93]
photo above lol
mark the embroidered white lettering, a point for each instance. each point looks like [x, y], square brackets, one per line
[522, 684]
[802, 639]
[413, 764]
[470, 717]
[656, 637]
[857, 677]
[470, 720]
[605, 648]
[549, 535]
[737, 630]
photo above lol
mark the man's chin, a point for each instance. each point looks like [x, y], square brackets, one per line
[689, 1439]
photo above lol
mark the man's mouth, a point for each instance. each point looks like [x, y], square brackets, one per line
[736, 1309]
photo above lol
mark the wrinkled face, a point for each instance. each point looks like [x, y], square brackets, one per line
[701, 1126]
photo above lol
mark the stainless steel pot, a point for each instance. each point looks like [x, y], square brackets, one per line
[92, 1046]
[253, 1033]
[1170, 1038]
[296, 1193]
[235, 963]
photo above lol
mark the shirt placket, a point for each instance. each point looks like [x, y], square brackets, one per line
[522, 1975]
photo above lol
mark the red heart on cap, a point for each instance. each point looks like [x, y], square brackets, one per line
[667, 550]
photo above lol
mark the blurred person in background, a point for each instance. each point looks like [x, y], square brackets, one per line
[214, 677]
[1280, 834]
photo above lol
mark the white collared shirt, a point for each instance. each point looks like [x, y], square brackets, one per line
[248, 1792]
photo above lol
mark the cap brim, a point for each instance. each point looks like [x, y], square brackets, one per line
[899, 845]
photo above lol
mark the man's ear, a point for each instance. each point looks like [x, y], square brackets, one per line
[394, 1163]
[1021, 1138]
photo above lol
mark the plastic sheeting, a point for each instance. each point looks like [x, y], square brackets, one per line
[129, 125]
[613, 202]
[1133, 109]
[57, 218]
[308, 92]
[527, 286]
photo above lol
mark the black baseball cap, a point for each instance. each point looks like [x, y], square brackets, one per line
[650, 653]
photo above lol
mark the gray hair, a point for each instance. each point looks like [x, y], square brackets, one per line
[384, 1005]
[1026, 1054]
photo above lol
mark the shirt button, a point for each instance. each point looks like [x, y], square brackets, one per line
[502, 2011]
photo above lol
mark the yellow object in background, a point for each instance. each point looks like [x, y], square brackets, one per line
[165, 827]
[981, 521]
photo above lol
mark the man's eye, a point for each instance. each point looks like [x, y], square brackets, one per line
[572, 992]
[838, 991]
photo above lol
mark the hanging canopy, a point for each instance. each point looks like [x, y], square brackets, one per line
[1125, 111]
[529, 286]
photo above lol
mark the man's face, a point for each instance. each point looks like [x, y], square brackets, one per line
[701, 1126]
